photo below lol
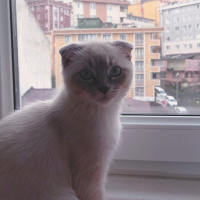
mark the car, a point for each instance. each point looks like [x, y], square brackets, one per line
[160, 92]
[171, 101]
[181, 110]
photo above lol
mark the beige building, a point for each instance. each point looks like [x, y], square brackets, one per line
[146, 49]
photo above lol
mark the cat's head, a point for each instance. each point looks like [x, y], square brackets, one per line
[97, 72]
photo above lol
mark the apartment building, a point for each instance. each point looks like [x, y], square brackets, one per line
[114, 11]
[182, 28]
[145, 51]
[50, 14]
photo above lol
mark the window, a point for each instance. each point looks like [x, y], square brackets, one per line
[139, 91]
[139, 38]
[86, 37]
[177, 38]
[109, 18]
[93, 6]
[68, 38]
[80, 4]
[152, 36]
[185, 46]
[198, 26]
[109, 7]
[139, 78]
[176, 28]
[107, 37]
[167, 47]
[139, 53]
[177, 47]
[122, 37]
[168, 127]
[168, 39]
[154, 75]
[190, 46]
[198, 45]
[139, 65]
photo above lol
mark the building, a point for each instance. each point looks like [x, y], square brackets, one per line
[50, 14]
[34, 51]
[181, 69]
[114, 11]
[137, 22]
[182, 28]
[146, 49]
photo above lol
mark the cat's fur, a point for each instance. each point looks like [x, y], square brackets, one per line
[61, 149]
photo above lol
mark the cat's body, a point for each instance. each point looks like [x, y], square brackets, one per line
[61, 149]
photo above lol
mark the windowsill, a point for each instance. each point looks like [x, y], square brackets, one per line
[151, 188]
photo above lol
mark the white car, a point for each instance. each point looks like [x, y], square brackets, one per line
[171, 101]
[181, 110]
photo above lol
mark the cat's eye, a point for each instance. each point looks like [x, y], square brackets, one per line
[86, 74]
[115, 71]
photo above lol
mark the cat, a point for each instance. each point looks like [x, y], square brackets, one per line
[61, 149]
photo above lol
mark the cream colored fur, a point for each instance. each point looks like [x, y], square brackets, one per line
[59, 149]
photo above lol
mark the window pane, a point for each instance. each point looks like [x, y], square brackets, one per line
[166, 61]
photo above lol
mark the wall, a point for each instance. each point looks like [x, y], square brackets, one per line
[33, 51]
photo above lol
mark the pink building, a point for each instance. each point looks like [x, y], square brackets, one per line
[51, 15]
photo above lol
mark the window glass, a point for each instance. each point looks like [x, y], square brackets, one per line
[166, 56]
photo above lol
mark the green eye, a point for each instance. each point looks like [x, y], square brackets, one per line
[86, 74]
[115, 71]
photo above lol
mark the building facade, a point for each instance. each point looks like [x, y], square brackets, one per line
[114, 11]
[34, 51]
[51, 15]
[144, 41]
[182, 28]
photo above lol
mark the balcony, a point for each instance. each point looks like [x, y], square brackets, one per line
[139, 42]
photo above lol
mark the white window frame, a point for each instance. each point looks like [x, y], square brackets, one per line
[150, 144]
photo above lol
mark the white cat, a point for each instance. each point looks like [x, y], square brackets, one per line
[61, 149]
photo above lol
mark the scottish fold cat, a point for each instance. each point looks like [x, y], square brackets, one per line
[61, 149]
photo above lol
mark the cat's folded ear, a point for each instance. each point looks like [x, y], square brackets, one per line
[125, 47]
[68, 52]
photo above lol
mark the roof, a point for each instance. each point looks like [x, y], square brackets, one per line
[118, 2]
[180, 56]
[34, 95]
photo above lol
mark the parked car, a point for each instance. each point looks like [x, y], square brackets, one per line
[160, 92]
[171, 101]
[181, 110]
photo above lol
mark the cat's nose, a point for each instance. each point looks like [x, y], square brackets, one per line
[104, 89]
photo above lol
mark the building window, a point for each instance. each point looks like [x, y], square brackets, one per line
[86, 37]
[139, 78]
[167, 38]
[167, 30]
[177, 38]
[139, 53]
[152, 36]
[167, 47]
[176, 47]
[68, 38]
[198, 45]
[139, 38]
[162, 74]
[79, 16]
[122, 37]
[139, 91]
[197, 16]
[154, 75]
[109, 7]
[190, 36]
[92, 16]
[190, 26]
[80, 4]
[184, 28]
[107, 37]
[176, 19]
[185, 46]
[61, 18]
[198, 26]
[109, 19]
[176, 28]
[190, 46]
[93, 6]
[139, 65]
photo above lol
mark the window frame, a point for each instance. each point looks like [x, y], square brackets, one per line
[160, 144]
